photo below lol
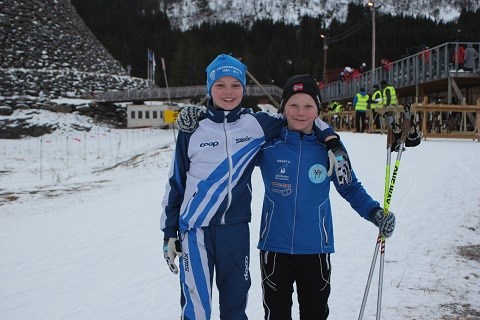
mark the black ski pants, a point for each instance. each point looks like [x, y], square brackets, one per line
[310, 272]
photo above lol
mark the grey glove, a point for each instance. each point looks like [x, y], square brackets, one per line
[343, 168]
[189, 117]
[385, 223]
[171, 249]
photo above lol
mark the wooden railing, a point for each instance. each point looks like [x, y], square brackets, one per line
[340, 121]
[449, 121]
[434, 120]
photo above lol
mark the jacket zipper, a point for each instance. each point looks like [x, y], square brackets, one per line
[296, 191]
[229, 184]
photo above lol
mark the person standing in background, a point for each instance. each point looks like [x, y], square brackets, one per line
[389, 94]
[360, 103]
[457, 57]
[470, 55]
[375, 103]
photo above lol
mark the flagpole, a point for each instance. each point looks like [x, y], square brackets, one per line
[166, 82]
[168, 94]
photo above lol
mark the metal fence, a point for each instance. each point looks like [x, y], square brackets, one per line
[425, 66]
[176, 93]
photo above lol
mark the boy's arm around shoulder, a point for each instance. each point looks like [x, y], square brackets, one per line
[271, 124]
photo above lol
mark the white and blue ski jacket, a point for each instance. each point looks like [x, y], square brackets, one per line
[296, 214]
[210, 178]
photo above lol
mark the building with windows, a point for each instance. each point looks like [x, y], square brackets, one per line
[145, 115]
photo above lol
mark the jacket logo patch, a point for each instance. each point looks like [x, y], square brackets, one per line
[282, 170]
[209, 144]
[283, 188]
[240, 140]
[246, 274]
[317, 173]
[186, 264]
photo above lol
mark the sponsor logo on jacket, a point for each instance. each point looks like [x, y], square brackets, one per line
[240, 140]
[246, 274]
[282, 170]
[209, 144]
[284, 189]
[186, 263]
[317, 173]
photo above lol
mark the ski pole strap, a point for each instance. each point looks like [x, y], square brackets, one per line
[406, 124]
[389, 121]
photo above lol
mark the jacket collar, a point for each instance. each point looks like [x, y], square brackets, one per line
[295, 136]
[219, 116]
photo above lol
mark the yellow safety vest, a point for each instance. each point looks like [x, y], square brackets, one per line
[339, 107]
[362, 103]
[331, 108]
[393, 96]
[376, 104]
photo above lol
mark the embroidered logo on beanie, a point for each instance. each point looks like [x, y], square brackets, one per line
[298, 87]
[225, 65]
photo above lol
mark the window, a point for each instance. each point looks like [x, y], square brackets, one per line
[132, 114]
[147, 114]
[154, 114]
[140, 114]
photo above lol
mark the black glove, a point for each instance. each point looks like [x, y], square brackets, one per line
[385, 223]
[189, 117]
[172, 249]
[343, 167]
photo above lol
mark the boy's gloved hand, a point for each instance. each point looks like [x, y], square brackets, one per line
[171, 249]
[385, 223]
[343, 168]
[189, 117]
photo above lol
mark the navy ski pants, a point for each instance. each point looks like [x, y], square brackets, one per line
[223, 250]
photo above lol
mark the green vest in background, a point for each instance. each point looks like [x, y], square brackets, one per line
[376, 100]
[332, 107]
[393, 96]
[362, 103]
[338, 107]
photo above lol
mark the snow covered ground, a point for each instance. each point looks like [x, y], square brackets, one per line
[80, 238]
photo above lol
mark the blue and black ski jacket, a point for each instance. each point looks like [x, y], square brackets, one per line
[296, 214]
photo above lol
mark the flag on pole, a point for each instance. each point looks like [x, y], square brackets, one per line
[149, 55]
[151, 65]
[149, 60]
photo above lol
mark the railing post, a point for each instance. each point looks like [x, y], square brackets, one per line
[477, 126]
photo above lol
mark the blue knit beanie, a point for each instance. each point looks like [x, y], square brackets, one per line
[225, 65]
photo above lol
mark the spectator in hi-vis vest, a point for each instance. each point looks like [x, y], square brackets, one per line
[389, 95]
[360, 103]
[375, 103]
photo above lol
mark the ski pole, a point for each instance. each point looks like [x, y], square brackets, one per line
[389, 185]
[389, 121]
[387, 200]
[370, 276]
[382, 242]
